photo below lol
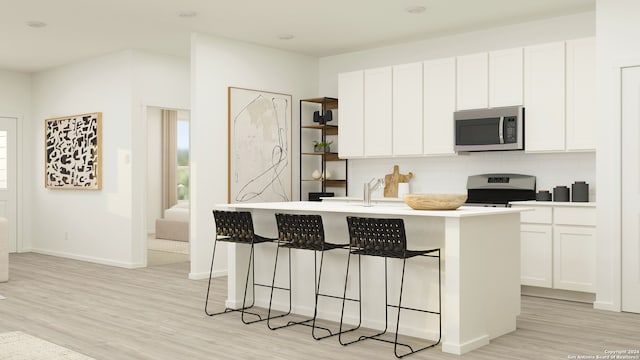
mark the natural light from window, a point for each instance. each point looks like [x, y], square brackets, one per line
[183, 160]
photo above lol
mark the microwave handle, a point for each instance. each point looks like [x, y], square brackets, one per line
[501, 130]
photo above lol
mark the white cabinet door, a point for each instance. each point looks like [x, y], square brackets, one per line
[536, 255]
[581, 99]
[439, 105]
[472, 81]
[351, 114]
[574, 259]
[505, 77]
[377, 107]
[544, 97]
[407, 109]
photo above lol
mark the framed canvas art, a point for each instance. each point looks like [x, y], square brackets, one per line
[259, 146]
[72, 152]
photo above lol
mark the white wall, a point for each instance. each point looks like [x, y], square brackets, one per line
[88, 225]
[15, 93]
[617, 37]
[106, 226]
[218, 63]
[448, 174]
[15, 101]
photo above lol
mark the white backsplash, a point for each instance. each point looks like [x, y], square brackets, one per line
[448, 174]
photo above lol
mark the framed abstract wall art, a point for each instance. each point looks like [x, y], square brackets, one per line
[72, 152]
[259, 146]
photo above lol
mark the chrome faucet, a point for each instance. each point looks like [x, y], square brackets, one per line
[370, 187]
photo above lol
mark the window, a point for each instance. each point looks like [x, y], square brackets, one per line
[182, 175]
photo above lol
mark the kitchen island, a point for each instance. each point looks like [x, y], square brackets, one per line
[480, 278]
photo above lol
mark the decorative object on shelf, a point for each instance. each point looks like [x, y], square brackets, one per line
[580, 192]
[543, 195]
[322, 119]
[316, 175]
[322, 146]
[391, 181]
[561, 194]
[259, 146]
[403, 189]
[435, 201]
[326, 175]
[73, 152]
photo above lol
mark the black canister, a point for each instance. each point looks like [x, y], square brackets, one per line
[561, 194]
[580, 192]
[543, 195]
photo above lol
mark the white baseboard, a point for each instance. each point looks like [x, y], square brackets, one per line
[205, 275]
[606, 305]
[91, 259]
[465, 347]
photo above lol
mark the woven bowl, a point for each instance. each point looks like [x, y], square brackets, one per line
[435, 201]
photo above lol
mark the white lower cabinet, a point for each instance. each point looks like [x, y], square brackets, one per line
[574, 258]
[536, 248]
[558, 247]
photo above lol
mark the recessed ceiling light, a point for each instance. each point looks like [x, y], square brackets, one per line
[415, 9]
[285, 36]
[36, 24]
[187, 14]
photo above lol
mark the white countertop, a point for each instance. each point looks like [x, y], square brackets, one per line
[533, 203]
[399, 209]
[359, 199]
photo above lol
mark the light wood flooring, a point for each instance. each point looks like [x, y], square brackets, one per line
[157, 313]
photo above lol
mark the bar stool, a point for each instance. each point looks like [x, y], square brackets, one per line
[237, 227]
[304, 232]
[387, 238]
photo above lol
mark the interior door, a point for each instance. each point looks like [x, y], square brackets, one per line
[631, 189]
[8, 191]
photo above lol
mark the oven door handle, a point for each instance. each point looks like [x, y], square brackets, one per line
[501, 129]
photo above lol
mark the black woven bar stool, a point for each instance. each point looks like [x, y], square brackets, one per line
[304, 232]
[387, 238]
[237, 227]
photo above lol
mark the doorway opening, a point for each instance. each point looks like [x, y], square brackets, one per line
[167, 186]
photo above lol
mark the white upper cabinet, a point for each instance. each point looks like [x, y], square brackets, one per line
[581, 109]
[351, 111]
[472, 81]
[377, 104]
[506, 77]
[407, 109]
[439, 105]
[544, 97]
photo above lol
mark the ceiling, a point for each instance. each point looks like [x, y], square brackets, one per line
[80, 29]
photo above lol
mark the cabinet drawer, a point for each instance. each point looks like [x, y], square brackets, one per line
[575, 216]
[539, 215]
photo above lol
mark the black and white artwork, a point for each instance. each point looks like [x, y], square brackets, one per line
[72, 152]
[259, 146]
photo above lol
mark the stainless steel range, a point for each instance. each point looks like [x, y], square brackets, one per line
[498, 190]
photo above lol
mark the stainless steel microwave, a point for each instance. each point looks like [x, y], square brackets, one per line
[491, 129]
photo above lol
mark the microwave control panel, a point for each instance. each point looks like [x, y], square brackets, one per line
[510, 129]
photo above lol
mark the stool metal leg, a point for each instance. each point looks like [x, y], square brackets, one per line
[206, 303]
[358, 300]
[315, 310]
[400, 307]
[273, 286]
[250, 271]
[226, 309]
